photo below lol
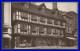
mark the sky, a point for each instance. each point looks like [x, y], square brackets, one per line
[63, 6]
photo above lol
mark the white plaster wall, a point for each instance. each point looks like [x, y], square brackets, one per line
[7, 13]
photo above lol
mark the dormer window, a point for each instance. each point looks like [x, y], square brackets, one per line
[42, 7]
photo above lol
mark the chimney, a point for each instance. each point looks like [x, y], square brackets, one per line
[54, 6]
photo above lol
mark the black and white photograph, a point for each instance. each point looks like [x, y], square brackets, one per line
[40, 25]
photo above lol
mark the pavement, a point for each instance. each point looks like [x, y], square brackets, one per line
[49, 47]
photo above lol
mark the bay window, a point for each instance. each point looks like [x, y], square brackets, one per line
[42, 19]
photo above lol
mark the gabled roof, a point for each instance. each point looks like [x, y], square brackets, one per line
[42, 6]
[36, 10]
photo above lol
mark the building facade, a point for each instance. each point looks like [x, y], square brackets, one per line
[34, 27]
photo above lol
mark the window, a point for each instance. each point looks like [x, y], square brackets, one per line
[61, 32]
[42, 19]
[17, 12]
[62, 24]
[17, 15]
[15, 29]
[33, 18]
[34, 29]
[23, 42]
[49, 21]
[53, 31]
[23, 27]
[55, 22]
[59, 22]
[41, 30]
[24, 15]
[14, 15]
[18, 28]
[43, 9]
[49, 30]
[58, 31]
